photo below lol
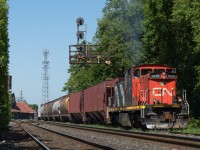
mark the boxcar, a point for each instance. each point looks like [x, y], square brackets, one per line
[96, 101]
[76, 103]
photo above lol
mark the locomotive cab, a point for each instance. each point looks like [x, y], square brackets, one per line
[151, 85]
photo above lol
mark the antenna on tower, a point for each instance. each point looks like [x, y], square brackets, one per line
[45, 76]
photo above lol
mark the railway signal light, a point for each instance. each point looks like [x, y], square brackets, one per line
[80, 34]
[80, 21]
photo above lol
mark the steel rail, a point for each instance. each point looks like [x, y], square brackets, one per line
[184, 133]
[171, 139]
[43, 146]
[78, 139]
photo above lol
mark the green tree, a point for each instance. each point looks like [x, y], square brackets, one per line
[195, 23]
[5, 101]
[172, 38]
[158, 38]
[186, 29]
[119, 32]
[34, 106]
[79, 78]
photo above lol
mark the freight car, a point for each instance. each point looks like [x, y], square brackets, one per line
[146, 97]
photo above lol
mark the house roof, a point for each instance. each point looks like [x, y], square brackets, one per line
[23, 108]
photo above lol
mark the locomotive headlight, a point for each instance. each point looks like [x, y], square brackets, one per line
[155, 75]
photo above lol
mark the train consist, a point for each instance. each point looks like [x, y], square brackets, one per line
[146, 97]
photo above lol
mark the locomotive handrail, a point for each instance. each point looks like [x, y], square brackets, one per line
[146, 91]
[172, 95]
[185, 101]
[143, 95]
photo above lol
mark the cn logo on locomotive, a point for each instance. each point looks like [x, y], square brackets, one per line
[161, 91]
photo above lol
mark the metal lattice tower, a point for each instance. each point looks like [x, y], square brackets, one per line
[45, 76]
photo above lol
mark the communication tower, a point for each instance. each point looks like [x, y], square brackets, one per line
[21, 98]
[45, 76]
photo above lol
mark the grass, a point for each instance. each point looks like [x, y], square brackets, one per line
[193, 127]
[192, 131]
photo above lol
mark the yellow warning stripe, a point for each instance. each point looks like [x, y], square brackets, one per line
[159, 106]
[128, 108]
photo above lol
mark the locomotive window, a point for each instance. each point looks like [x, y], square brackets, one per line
[146, 71]
[171, 70]
[159, 70]
[136, 73]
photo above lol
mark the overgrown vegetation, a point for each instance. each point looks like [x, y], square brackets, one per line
[5, 100]
[193, 127]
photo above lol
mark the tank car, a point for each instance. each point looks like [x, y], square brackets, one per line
[44, 115]
[56, 110]
[49, 110]
[40, 112]
[64, 108]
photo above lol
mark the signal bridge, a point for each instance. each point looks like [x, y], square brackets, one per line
[87, 54]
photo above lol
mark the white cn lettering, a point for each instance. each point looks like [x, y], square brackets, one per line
[161, 92]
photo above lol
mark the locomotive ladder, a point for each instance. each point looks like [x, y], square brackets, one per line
[185, 101]
[144, 94]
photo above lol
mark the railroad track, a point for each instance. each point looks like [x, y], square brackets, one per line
[42, 145]
[183, 133]
[156, 137]
[52, 139]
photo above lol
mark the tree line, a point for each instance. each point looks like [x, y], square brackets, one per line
[5, 99]
[146, 32]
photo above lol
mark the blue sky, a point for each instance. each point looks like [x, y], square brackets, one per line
[35, 25]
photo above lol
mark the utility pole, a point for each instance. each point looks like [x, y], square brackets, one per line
[45, 76]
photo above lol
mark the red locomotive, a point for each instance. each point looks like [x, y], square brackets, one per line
[146, 97]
